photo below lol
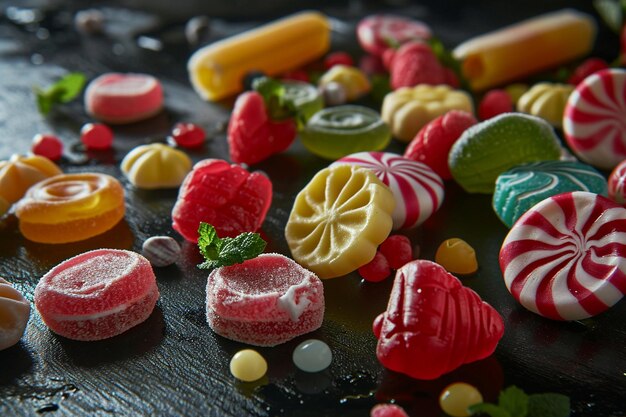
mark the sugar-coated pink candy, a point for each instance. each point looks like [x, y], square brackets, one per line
[617, 183]
[123, 98]
[565, 258]
[264, 301]
[97, 294]
[593, 122]
[418, 190]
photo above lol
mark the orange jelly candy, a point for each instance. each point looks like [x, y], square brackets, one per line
[71, 207]
[457, 257]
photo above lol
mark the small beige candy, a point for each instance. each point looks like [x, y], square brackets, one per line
[14, 313]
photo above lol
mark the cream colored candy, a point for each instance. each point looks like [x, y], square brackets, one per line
[14, 312]
[546, 100]
[156, 166]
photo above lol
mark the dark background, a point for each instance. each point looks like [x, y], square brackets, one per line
[173, 364]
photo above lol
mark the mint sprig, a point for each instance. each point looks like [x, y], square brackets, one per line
[513, 402]
[445, 58]
[62, 91]
[227, 251]
[273, 92]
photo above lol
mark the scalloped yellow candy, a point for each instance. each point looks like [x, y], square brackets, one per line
[156, 166]
[408, 109]
[457, 256]
[338, 220]
[546, 100]
[352, 79]
[19, 173]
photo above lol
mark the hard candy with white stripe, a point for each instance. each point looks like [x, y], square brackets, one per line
[418, 190]
[520, 188]
[565, 258]
[617, 183]
[594, 122]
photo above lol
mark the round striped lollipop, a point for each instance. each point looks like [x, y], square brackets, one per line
[594, 122]
[418, 190]
[565, 258]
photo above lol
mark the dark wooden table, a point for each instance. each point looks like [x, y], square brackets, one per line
[173, 364]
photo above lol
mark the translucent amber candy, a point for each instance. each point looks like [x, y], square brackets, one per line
[14, 312]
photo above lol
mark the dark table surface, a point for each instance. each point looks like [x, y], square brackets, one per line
[173, 364]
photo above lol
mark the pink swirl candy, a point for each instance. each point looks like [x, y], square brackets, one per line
[564, 258]
[594, 122]
[418, 190]
[617, 183]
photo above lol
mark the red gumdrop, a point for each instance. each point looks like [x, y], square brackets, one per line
[226, 196]
[338, 58]
[375, 270]
[96, 136]
[47, 145]
[433, 142]
[188, 135]
[387, 410]
[397, 249]
[495, 102]
[433, 324]
[586, 68]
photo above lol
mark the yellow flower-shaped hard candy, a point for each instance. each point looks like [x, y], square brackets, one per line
[14, 312]
[19, 173]
[408, 109]
[156, 166]
[339, 219]
[352, 79]
[546, 100]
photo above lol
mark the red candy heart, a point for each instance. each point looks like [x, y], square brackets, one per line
[224, 195]
[433, 324]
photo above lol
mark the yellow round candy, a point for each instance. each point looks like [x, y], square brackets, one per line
[248, 365]
[455, 399]
[155, 166]
[457, 256]
[352, 79]
[546, 100]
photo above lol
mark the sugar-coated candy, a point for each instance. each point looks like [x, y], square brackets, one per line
[312, 356]
[489, 148]
[456, 398]
[397, 249]
[593, 122]
[354, 81]
[339, 219]
[14, 313]
[97, 294]
[339, 131]
[495, 102]
[48, 146]
[564, 259]
[408, 109]
[457, 256]
[388, 410]
[433, 142]
[264, 301]
[161, 250]
[155, 166]
[226, 196]
[375, 270]
[123, 98]
[523, 186]
[546, 100]
[375, 32]
[188, 135]
[617, 183]
[417, 189]
[248, 365]
[433, 324]
[96, 136]
[70, 207]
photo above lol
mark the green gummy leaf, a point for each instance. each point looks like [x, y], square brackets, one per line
[548, 405]
[489, 409]
[71, 85]
[245, 246]
[612, 12]
[515, 401]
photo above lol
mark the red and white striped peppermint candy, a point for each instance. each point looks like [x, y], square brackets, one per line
[418, 190]
[617, 183]
[565, 258]
[377, 33]
[594, 122]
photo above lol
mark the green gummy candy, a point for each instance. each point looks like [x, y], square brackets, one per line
[305, 97]
[487, 149]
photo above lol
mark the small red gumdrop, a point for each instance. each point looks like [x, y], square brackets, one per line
[432, 143]
[495, 102]
[49, 146]
[296, 75]
[586, 68]
[376, 270]
[338, 58]
[433, 324]
[188, 135]
[397, 249]
[388, 410]
[96, 136]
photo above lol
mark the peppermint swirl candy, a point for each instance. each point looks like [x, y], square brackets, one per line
[520, 188]
[594, 123]
[564, 259]
[617, 183]
[417, 189]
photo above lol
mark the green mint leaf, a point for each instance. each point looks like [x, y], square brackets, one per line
[245, 246]
[445, 58]
[208, 242]
[210, 265]
[548, 405]
[44, 102]
[72, 84]
[611, 12]
[489, 409]
[515, 401]
[273, 92]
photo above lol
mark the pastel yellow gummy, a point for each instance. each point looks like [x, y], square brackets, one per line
[19, 173]
[525, 48]
[515, 91]
[407, 109]
[156, 166]
[248, 365]
[14, 313]
[546, 100]
[218, 70]
[457, 257]
[338, 220]
[352, 79]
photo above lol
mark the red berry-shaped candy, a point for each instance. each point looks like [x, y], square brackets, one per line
[188, 135]
[338, 58]
[376, 270]
[47, 145]
[397, 249]
[495, 102]
[415, 63]
[96, 136]
[586, 68]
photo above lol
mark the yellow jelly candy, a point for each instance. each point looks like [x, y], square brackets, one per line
[352, 79]
[455, 399]
[156, 166]
[457, 256]
[248, 365]
[339, 219]
[546, 100]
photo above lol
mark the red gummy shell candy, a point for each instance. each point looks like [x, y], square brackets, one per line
[433, 324]
[226, 196]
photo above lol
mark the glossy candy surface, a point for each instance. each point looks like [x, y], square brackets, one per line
[353, 80]
[188, 135]
[96, 136]
[456, 398]
[156, 166]
[248, 365]
[617, 183]
[457, 256]
[305, 97]
[161, 250]
[312, 356]
[14, 313]
[48, 146]
[546, 100]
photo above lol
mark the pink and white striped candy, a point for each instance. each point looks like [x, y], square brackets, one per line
[377, 33]
[594, 122]
[418, 190]
[617, 183]
[565, 258]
